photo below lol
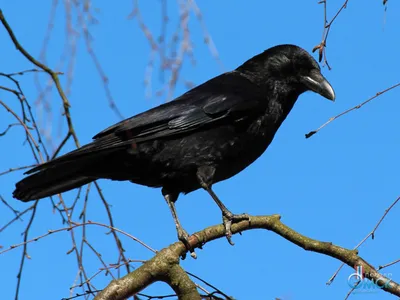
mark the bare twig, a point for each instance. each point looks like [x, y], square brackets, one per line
[25, 250]
[17, 217]
[311, 133]
[321, 47]
[371, 234]
[73, 226]
[389, 264]
[105, 80]
[16, 169]
[16, 212]
[210, 285]
[32, 139]
[113, 229]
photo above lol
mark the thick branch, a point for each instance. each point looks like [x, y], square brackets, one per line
[159, 268]
[162, 267]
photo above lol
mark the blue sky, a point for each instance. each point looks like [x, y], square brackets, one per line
[333, 187]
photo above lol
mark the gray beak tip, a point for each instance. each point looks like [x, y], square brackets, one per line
[329, 92]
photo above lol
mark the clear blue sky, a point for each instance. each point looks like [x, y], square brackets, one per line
[334, 186]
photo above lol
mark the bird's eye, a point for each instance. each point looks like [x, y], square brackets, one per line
[304, 65]
[280, 65]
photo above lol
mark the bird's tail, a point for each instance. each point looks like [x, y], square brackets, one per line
[67, 172]
[48, 182]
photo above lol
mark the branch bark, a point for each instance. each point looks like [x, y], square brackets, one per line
[164, 266]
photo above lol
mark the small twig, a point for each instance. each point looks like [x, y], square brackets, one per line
[311, 133]
[17, 217]
[16, 212]
[210, 285]
[75, 249]
[20, 73]
[321, 47]
[351, 291]
[156, 297]
[17, 169]
[99, 68]
[86, 293]
[9, 127]
[9, 90]
[75, 225]
[206, 35]
[371, 234]
[87, 281]
[32, 139]
[389, 264]
[62, 144]
[111, 221]
[24, 250]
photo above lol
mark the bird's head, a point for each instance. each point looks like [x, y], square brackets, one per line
[290, 66]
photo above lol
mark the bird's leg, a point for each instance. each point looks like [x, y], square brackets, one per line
[205, 175]
[183, 236]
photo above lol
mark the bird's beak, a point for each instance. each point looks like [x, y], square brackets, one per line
[317, 83]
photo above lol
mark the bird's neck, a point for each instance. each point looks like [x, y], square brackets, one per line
[280, 104]
[281, 96]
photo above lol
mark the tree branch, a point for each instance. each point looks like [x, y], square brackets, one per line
[164, 266]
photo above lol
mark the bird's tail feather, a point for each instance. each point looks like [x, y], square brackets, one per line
[64, 173]
[47, 183]
[54, 177]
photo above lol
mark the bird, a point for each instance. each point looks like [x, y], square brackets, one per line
[207, 135]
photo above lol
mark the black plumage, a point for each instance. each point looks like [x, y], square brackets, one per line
[208, 134]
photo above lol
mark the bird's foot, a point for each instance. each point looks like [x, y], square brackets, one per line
[183, 236]
[229, 219]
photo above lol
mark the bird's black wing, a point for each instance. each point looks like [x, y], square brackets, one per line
[230, 97]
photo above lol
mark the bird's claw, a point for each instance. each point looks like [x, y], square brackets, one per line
[183, 236]
[228, 220]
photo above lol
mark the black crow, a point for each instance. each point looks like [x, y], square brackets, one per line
[207, 135]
